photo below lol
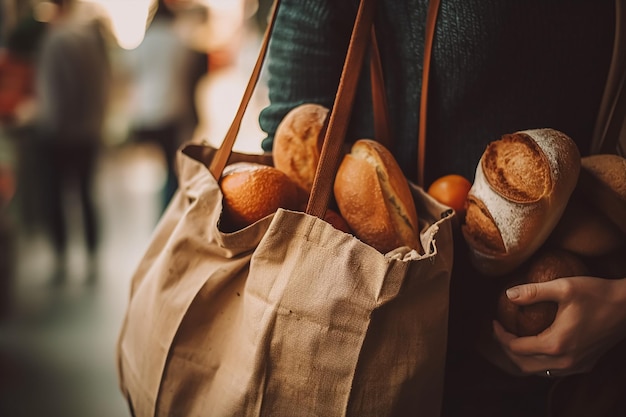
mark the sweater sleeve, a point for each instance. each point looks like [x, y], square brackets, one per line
[306, 55]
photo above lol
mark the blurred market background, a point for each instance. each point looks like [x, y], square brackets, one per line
[61, 309]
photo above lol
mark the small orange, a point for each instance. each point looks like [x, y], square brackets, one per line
[451, 190]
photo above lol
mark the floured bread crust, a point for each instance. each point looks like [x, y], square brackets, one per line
[523, 183]
[481, 229]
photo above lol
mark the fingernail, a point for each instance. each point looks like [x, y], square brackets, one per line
[512, 293]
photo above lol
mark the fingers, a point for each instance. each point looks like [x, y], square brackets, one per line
[502, 335]
[572, 343]
[535, 292]
[527, 353]
[526, 363]
[533, 355]
[525, 346]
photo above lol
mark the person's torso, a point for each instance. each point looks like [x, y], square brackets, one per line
[161, 66]
[73, 80]
[497, 67]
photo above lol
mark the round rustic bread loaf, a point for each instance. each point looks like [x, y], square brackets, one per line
[522, 185]
[298, 143]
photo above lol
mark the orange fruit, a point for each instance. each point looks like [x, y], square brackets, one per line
[253, 191]
[451, 190]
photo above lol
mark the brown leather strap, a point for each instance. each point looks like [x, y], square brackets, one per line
[223, 153]
[382, 128]
[431, 20]
[610, 124]
[341, 111]
[339, 115]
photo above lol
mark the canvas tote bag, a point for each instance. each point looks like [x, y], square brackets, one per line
[289, 316]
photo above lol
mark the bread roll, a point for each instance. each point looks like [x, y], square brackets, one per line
[585, 231]
[374, 198]
[522, 185]
[298, 143]
[253, 191]
[603, 182]
[532, 319]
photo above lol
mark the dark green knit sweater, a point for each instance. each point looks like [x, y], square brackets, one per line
[498, 66]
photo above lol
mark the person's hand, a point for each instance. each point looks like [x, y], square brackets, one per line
[590, 320]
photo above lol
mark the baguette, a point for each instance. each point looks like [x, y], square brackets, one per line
[374, 198]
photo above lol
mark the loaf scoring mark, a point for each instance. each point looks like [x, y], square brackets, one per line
[511, 218]
[392, 202]
[557, 148]
[481, 228]
[516, 168]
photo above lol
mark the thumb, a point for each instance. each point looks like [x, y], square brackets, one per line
[533, 293]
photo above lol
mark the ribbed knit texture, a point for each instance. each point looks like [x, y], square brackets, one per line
[498, 66]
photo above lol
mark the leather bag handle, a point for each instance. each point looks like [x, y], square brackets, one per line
[382, 127]
[339, 116]
[431, 23]
[381, 112]
[219, 161]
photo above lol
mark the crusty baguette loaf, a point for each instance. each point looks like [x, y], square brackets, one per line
[522, 185]
[298, 143]
[253, 191]
[374, 197]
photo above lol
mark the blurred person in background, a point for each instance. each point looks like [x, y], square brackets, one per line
[19, 39]
[17, 69]
[73, 83]
[19, 50]
[7, 230]
[164, 72]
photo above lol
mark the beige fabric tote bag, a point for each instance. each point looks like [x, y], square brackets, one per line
[289, 316]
